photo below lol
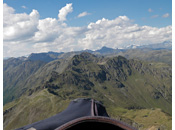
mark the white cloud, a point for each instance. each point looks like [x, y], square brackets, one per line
[121, 32]
[26, 33]
[7, 9]
[154, 16]
[19, 26]
[63, 12]
[150, 10]
[24, 7]
[83, 14]
[166, 15]
[47, 30]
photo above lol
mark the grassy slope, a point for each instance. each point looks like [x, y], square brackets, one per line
[43, 105]
[36, 107]
[143, 119]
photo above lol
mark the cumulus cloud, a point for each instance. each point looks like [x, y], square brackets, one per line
[47, 30]
[150, 10]
[166, 15]
[7, 9]
[121, 32]
[63, 12]
[56, 36]
[26, 33]
[32, 34]
[83, 14]
[19, 26]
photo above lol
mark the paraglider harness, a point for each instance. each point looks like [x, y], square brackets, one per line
[81, 114]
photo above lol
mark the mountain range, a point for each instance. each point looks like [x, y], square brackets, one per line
[152, 52]
[133, 84]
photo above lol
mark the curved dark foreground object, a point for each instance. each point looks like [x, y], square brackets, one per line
[80, 114]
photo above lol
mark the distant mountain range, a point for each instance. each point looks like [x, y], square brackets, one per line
[152, 52]
[49, 56]
[158, 46]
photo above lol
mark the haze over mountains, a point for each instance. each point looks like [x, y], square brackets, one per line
[106, 51]
[132, 84]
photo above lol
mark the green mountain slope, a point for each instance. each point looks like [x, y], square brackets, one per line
[120, 84]
[43, 104]
[163, 55]
[15, 74]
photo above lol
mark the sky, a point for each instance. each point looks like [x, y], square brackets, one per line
[34, 26]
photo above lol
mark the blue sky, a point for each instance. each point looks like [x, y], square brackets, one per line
[33, 26]
[136, 10]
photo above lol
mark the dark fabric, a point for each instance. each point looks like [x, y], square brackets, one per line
[99, 123]
[94, 126]
[76, 109]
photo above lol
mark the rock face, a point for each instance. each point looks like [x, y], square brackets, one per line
[115, 81]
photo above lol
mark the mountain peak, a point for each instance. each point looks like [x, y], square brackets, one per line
[46, 57]
[86, 55]
[105, 49]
